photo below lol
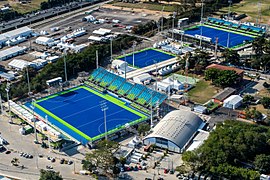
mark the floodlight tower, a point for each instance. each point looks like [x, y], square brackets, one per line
[97, 59]
[229, 10]
[7, 90]
[104, 107]
[111, 41]
[259, 13]
[1, 104]
[124, 54]
[174, 14]
[161, 28]
[28, 81]
[34, 119]
[133, 56]
[201, 24]
[151, 103]
[49, 137]
[65, 64]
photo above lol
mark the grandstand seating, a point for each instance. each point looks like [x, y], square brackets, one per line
[135, 91]
[100, 75]
[101, 79]
[118, 81]
[144, 97]
[125, 88]
[107, 80]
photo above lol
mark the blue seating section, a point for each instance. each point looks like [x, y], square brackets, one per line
[117, 83]
[100, 75]
[242, 26]
[136, 90]
[123, 87]
[145, 94]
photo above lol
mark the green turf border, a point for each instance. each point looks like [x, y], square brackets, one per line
[104, 96]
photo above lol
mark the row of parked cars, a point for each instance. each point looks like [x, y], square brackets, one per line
[132, 168]
[26, 155]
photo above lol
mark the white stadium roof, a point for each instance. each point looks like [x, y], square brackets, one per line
[178, 127]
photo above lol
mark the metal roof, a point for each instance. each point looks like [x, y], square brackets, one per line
[178, 126]
[11, 51]
[224, 94]
[233, 99]
[14, 33]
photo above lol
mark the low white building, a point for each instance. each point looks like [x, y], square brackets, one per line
[19, 64]
[7, 76]
[118, 64]
[52, 59]
[96, 39]
[45, 41]
[142, 78]
[163, 86]
[39, 63]
[11, 52]
[233, 102]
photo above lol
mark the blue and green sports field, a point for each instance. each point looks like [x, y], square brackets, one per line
[146, 57]
[78, 113]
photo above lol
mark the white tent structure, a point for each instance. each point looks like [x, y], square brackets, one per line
[11, 52]
[134, 142]
[118, 64]
[95, 38]
[175, 84]
[45, 41]
[233, 102]
[142, 78]
[19, 64]
[163, 86]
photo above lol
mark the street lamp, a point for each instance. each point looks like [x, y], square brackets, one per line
[104, 107]
[7, 90]
[1, 104]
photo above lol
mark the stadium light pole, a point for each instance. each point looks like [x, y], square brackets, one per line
[201, 24]
[111, 39]
[97, 59]
[174, 14]
[229, 10]
[123, 52]
[133, 56]
[161, 28]
[28, 81]
[1, 104]
[65, 65]
[49, 139]
[7, 90]
[151, 120]
[34, 119]
[104, 107]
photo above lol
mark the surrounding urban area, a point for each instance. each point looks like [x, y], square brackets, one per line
[132, 89]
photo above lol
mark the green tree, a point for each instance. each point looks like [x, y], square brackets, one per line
[262, 163]
[258, 45]
[143, 128]
[231, 57]
[247, 99]
[265, 102]
[102, 157]
[49, 175]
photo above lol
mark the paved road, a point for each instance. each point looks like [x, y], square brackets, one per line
[20, 143]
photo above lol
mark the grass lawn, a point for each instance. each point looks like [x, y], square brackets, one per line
[202, 92]
[250, 7]
[24, 8]
[149, 6]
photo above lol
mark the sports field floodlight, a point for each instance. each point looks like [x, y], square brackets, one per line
[201, 24]
[34, 119]
[7, 90]
[49, 138]
[124, 54]
[1, 104]
[151, 103]
[111, 44]
[28, 81]
[65, 64]
[229, 10]
[174, 14]
[104, 107]
[133, 56]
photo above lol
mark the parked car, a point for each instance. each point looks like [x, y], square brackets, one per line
[166, 171]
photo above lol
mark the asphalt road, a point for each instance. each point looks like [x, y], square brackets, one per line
[41, 15]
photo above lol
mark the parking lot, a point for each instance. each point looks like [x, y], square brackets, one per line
[31, 156]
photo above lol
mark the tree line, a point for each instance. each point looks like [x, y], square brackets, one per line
[84, 61]
[234, 150]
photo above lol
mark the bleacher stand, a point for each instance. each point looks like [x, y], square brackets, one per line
[140, 95]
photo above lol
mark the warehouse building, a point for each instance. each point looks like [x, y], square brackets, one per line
[175, 130]
[14, 34]
[19, 64]
[45, 41]
[11, 52]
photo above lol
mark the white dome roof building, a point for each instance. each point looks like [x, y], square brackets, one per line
[175, 130]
